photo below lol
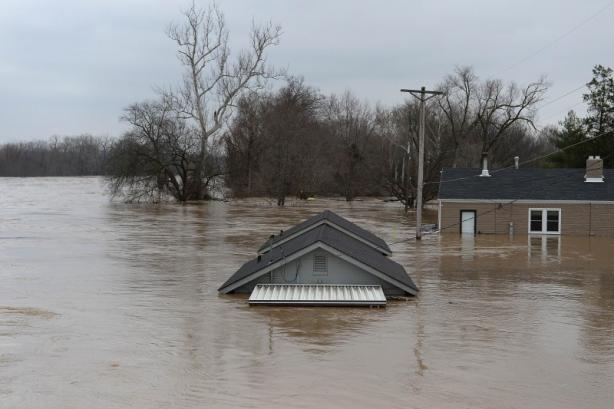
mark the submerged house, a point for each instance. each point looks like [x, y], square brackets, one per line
[528, 200]
[325, 260]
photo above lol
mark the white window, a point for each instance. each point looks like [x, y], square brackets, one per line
[320, 264]
[545, 221]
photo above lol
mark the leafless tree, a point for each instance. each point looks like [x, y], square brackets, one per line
[480, 114]
[214, 79]
[156, 157]
[351, 124]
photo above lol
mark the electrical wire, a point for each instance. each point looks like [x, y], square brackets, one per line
[527, 161]
[559, 38]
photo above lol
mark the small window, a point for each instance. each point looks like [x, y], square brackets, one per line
[536, 220]
[320, 264]
[545, 221]
[552, 221]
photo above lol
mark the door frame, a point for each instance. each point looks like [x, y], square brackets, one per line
[475, 220]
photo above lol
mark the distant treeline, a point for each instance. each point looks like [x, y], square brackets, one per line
[294, 141]
[222, 125]
[83, 155]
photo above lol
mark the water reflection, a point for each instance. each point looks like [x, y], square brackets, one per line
[544, 247]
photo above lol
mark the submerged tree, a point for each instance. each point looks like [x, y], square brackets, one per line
[157, 157]
[214, 80]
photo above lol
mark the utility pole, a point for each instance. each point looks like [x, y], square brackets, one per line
[421, 94]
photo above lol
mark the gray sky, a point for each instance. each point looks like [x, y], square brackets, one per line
[70, 66]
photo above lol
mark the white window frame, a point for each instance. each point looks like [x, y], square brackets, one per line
[544, 211]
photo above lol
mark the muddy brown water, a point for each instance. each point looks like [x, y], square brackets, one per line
[107, 305]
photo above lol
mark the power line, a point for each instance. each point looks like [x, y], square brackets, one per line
[562, 96]
[559, 38]
[563, 112]
[590, 139]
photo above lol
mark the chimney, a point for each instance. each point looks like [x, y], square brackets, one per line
[485, 165]
[594, 170]
[516, 162]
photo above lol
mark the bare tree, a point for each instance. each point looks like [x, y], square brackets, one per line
[351, 126]
[480, 114]
[156, 157]
[457, 105]
[499, 107]
[213, 79]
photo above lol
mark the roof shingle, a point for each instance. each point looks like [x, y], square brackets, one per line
[525, 184]
[333, 238]
[334, 219]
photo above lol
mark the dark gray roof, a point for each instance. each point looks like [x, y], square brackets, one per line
[333, 218]
[333, 238]
[525, 184]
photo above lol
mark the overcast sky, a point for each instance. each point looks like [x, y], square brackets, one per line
[70, 66]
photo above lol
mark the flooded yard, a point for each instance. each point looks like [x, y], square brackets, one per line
[109, 305]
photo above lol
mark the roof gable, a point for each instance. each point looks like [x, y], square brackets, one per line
[524, 184]
[328, 238]
[333, 220]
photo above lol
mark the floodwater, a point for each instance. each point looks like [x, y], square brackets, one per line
[107, 305]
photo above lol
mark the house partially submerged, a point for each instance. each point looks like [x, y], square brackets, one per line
[528, 201]
[325, 260]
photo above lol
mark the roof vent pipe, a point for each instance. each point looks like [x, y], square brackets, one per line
[516, 162]
[485, 165]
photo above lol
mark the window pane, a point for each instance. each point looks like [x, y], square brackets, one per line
[553, 221]
[536, 221]
[536, 225]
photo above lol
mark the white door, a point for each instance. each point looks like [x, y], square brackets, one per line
[467, 221]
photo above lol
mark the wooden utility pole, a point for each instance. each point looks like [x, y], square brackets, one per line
[421, 94]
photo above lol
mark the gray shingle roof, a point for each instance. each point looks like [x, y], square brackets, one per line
[525, 184]
[333, 218]
[333, 238]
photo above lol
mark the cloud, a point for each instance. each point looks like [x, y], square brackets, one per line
[69, 66]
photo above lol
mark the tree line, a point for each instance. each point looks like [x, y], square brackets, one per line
[83, 155]
[296, 142]
[224, 125]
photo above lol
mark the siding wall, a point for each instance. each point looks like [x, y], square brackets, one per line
[494, 218]
[300, 271]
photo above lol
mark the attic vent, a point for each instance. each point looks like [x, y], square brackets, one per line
[320, 264]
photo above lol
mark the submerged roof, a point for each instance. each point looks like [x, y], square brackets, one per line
[333, 238]
[333, 219]
[525, 184]
[318, 294]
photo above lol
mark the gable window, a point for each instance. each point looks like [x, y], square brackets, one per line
[320, 264]
[545, 221]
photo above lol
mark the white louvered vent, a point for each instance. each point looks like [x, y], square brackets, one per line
[320, 264]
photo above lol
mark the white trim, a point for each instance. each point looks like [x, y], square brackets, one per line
[266, 269]
[544, 229]
[308, 249]
[329, 223]
[440, 205]
[368, 269]
[525, 201]
[598, 179]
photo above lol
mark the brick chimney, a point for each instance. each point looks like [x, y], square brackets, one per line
[485, 172]
[594, 170]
